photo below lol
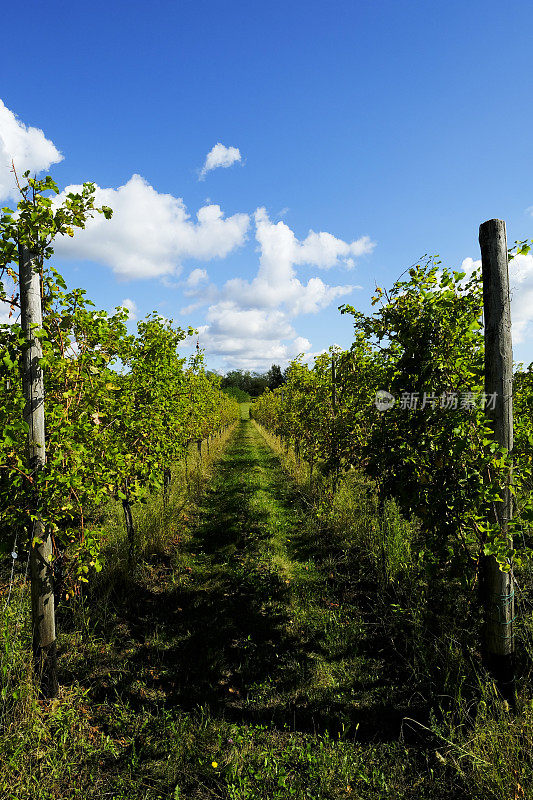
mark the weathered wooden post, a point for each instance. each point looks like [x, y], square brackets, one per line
[42, 590]
[497, 586]
[334, 448]
[333, 386]
[130, 527]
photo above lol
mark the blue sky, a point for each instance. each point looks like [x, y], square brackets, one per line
[389, 129]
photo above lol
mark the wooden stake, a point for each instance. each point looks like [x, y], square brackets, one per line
[335, 453]
[333, 386]
[497, 586]
[42, 590]
[130, 530]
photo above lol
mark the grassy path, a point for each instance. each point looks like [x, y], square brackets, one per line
[245, 573]
[267, 639]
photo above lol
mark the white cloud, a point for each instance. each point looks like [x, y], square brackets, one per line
[26, 146]
[251, 321]
[150, 233]
[250, 339]
[521, 290]
[227, 319]
[8, 317]
[468, 266]
[186, 310]
[131, 306]
[219, 156]
[325, 250]
[278, 243]
[196, 278]
[276, 282]
[197, 286]
[301, 344]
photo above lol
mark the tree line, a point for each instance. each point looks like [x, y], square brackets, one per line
[243, 385]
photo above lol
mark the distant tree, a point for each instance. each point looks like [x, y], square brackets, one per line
[258, 383]
[253, 383]
[233, 378]
[275, 377]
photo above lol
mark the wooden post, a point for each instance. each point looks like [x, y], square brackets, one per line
[333, 386]
[334, 423]
[497, 586]
[130, 529]
[42, 590]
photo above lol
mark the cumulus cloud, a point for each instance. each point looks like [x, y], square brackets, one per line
[131, 306]
[227, 319]
[219, 156]
[276, 282]
[521, 286]
[151, 234]
[199, 289]
[250, 338]
[26, 146]
[278, 242]
[251, 322]
[186, 310]
[521, 291]
[7, 316]
[196, 278]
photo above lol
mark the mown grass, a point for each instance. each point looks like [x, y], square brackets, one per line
[270, 643]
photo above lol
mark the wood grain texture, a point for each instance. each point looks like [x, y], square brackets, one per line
[498, 587]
